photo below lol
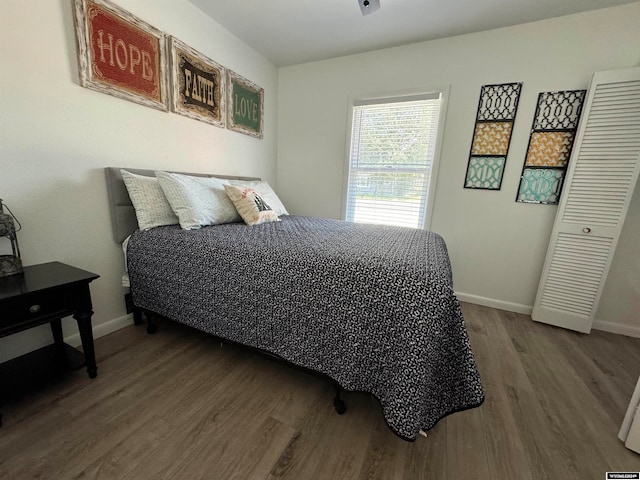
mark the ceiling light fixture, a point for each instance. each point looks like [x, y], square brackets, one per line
[369, 6]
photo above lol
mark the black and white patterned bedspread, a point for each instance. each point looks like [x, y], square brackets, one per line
[370, 306]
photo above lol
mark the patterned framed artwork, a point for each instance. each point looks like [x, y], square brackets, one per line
[485, 172]
[550, 144]
[121, 55]
[198, 85]
[245, 100]
[497, 109]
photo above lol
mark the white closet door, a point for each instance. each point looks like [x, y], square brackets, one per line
[601, 177]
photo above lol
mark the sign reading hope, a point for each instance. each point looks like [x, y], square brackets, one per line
[123, 55]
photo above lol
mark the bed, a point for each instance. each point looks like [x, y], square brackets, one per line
[371, 307]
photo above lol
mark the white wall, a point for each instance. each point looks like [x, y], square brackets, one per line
[56, 137]
[497, 246]
[619, 308]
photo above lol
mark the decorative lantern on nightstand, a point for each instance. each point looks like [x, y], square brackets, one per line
[9, 264]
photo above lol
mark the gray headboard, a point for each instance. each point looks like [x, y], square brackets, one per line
[123, 216]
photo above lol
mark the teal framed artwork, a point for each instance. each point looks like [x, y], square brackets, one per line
[245, 106]
[541, 185]
[485, 172]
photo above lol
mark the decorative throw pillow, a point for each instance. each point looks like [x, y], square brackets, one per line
[251, 206]
[198, 201]
[151, 206]
[266, 192]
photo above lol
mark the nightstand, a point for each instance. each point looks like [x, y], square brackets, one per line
[42, 294]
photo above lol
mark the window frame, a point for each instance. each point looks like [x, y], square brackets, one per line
[389, 97]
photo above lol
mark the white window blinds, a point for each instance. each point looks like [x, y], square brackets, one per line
[392, 151]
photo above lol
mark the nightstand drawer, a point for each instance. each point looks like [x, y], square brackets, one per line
[30, 309]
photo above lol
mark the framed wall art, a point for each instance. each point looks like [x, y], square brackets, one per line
[197, 85]
[497, 109]
[245, 105]
[550, 144]
[120, 55]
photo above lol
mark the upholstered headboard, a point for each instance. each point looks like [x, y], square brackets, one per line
[123, 216]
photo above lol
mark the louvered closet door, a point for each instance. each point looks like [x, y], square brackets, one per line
[602, 175]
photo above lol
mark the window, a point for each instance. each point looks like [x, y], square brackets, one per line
[391, 160]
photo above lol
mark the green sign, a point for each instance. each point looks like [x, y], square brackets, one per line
[246, 107]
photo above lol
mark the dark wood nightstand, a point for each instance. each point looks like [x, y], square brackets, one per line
[42, 294]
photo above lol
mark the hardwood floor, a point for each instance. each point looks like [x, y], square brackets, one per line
[178, 405]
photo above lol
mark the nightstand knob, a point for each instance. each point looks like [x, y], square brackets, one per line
[34, 308]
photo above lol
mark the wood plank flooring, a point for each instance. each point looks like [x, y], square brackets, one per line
[178, 405]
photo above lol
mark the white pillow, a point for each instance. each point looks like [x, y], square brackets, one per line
[151, 206]
[266, 192]
[251, 206]
[198, 201]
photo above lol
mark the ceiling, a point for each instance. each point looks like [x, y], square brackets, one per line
[289, 32]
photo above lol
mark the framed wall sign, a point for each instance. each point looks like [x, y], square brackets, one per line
[198, 85]
[245, 105]
[120, 55]
[550, 145]
[497, 109]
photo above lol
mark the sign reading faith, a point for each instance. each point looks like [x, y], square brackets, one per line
[120, 54]
[246, 106]
[198, 85]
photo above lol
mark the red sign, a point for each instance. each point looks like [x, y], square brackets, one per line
[122, 54]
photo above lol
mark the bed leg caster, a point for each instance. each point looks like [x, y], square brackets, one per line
[151, 327]
[137, 316]
[338, 404]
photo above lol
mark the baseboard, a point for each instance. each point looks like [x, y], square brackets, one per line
[102, 329]
[611, 327]
[493, 303]
[602, 325]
